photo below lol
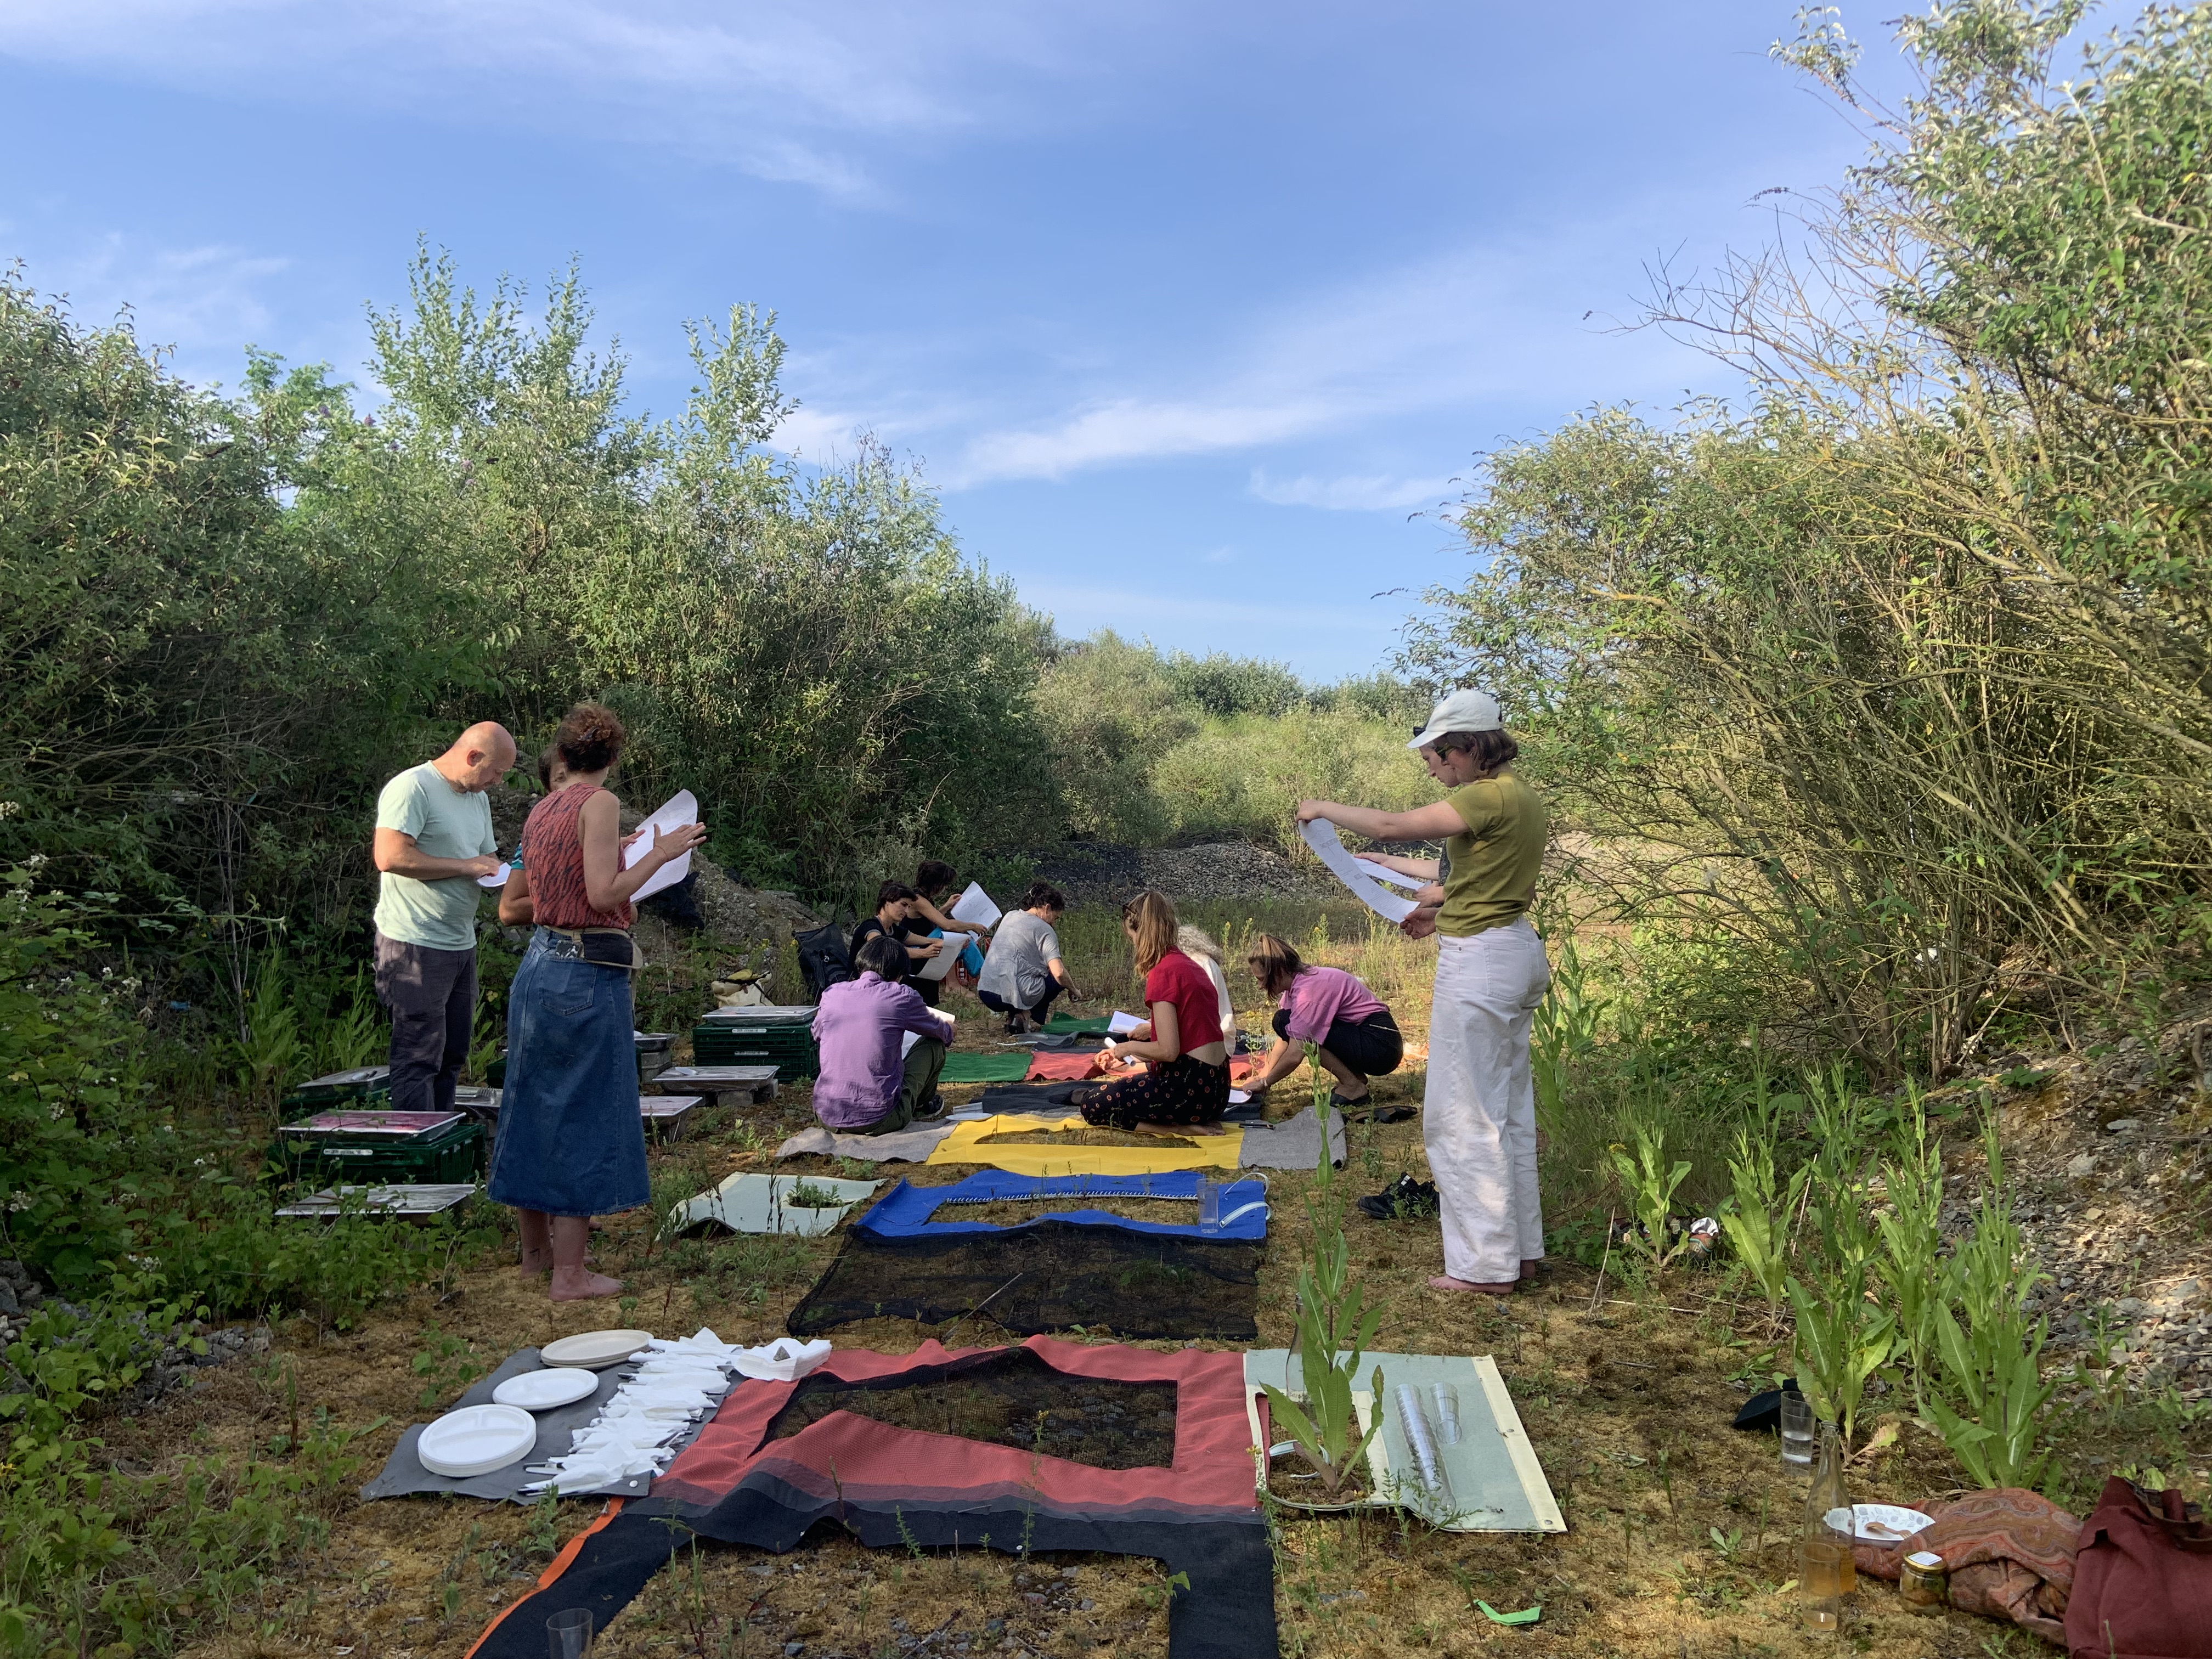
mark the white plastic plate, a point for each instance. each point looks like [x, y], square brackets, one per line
[477, 1439]
[540, 1391]
[595, 1350]
[1881, 1523]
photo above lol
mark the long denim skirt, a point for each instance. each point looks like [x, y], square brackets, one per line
[570, 1139]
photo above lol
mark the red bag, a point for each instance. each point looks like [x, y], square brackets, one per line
[2142, 1579]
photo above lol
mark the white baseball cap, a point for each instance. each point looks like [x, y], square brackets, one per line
[1462, 711]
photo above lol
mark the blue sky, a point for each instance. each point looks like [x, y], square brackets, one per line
[1196, 315]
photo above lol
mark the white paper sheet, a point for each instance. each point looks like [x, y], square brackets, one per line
[498, 877]
[1356, 874]
[908, 1039]
[975, 908]
[1121, 1025]
[941, 964]
[680, 809]
[1381, 872]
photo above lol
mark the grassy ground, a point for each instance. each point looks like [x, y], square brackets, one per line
[1679, 1529]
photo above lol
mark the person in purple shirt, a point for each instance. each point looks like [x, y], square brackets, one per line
[1325, 1005]
[865, 1087]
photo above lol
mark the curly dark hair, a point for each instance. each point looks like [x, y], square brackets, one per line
[1043, 895]
[891, 892]
[591, 738]
[933, 877]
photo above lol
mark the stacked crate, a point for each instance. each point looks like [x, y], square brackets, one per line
[763, 1034]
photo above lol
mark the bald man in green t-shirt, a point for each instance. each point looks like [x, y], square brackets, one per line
[434, 839]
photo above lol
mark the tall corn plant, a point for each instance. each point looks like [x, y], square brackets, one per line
[1335, 1323]
[1990, 1403]
[1842, 1336]
[1910, 1266]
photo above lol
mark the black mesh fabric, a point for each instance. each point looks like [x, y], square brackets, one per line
[1046, 1276]
[1009, 1398]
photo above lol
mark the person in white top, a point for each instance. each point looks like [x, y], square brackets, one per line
[1198, 945]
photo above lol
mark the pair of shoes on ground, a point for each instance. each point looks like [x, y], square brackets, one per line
[1368, 1109]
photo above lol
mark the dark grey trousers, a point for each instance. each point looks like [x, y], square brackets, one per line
[432, 995]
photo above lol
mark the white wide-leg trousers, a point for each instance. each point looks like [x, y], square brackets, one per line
[1478, 1114]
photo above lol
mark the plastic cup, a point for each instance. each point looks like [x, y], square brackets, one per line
[1797, 1429]
[1209, 1204]
[1444, 1400]
[568, 1634]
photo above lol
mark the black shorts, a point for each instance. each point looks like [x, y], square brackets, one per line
[1371, 1048]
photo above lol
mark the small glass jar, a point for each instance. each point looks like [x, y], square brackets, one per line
[1923, 1583]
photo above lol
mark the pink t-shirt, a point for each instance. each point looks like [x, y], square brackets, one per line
[1319, 997]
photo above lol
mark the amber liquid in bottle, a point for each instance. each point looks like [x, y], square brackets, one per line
[1825, 1573]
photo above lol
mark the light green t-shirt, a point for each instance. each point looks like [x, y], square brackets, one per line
[445, 824]
[1493, 866]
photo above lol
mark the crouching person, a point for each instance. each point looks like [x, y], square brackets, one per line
[864, 1087]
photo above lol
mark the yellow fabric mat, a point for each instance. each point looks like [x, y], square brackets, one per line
[1030, 1158]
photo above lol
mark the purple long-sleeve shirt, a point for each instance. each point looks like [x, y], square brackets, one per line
[859, 1026]
[1319, 997]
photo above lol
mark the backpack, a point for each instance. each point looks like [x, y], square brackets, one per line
[823, 959]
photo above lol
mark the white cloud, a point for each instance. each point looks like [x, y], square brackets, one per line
[1485, 322]
[1132, 430]
[205, 302]
[773, 87]
[1372, 492]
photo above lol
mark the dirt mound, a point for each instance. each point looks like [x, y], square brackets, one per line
[1096, 873]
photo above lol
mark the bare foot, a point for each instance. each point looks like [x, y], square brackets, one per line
[1531, 1266]
[1169, 1131]
[577, 1285]
[1446, 1282]
[536, 1264]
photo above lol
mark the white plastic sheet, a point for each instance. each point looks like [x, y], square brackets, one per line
[680, 809]
[1355, 873]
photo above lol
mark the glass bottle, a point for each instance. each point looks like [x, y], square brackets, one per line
[1824, 1571]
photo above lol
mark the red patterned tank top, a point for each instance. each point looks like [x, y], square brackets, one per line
[553, 853]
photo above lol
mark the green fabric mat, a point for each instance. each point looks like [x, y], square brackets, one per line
[1069, 1025]
[984, 1068]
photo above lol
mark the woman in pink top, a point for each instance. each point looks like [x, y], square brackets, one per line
[1325, 1005]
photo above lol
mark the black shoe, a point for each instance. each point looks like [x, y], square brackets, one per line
[1404, 1199]
[931, 1110]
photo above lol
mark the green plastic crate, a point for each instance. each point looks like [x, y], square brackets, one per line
[453, 1155]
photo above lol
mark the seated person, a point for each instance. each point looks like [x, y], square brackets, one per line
[894, 920]
[1024, 971]
[1185, 1086]
[1325, 1005]
[931, 882]
[864, 1087]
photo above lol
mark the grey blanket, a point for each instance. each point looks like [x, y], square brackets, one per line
[403, 1473]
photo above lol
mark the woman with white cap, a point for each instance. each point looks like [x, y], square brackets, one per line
[1478, 1117]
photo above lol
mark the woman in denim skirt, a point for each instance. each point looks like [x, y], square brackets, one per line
[571, 1143]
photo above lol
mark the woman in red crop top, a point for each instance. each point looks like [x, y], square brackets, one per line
[1185, 1086]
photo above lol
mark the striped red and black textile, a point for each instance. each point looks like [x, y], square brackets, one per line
[944, 1447]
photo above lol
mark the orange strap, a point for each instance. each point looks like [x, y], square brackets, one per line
[546, 1579]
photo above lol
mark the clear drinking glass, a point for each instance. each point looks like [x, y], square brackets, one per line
[1209, 1204]
[1444, 1401]
[568, 1634]
[1797, 1429]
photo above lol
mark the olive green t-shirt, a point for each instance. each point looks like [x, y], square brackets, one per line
[447, 823]
[1493, 866]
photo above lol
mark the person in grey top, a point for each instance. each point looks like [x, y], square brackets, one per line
[1022, 971]
[434, 841]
